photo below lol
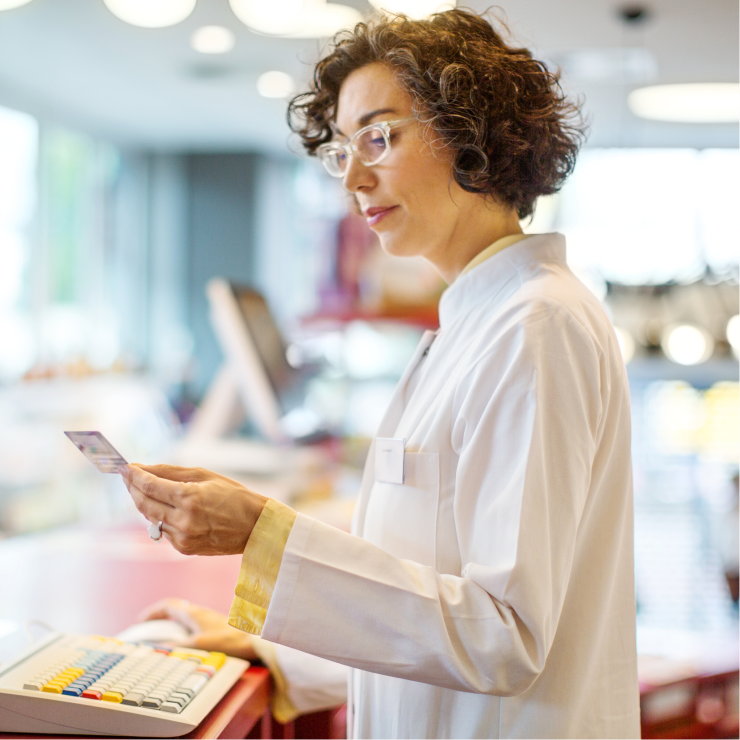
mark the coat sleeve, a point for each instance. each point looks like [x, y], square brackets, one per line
[525, 425]
[302, 682]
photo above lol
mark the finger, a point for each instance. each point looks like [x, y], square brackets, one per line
[178, 610]
[205, 641]
[176, 473]
[152, 509]
[151, 486]
[226, 640]
[184, 475]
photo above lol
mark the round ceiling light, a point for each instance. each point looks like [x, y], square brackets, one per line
[733, 334]
[10, 4]
[275, 85]
[711, 102]
[151, 13]
[213, 40]
[687, 344]
[416, 9]
[295, 18]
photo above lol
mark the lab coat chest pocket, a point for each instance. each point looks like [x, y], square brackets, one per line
[402, 519]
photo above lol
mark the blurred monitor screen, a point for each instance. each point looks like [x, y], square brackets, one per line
[286, 381]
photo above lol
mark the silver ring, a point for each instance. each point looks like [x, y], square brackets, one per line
[155, 531]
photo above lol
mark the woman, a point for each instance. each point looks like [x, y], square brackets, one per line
[487, 588]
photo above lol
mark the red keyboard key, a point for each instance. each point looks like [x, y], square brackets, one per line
[89, 694]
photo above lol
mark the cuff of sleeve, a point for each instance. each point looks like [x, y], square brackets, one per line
[260, 567]
[280, 704]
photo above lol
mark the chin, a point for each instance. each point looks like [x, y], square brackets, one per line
[398, 246]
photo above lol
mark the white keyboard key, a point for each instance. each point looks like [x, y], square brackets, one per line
[194, 683]
[184, 699]
[133, 699]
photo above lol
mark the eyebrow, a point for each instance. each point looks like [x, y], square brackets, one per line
[365, 119]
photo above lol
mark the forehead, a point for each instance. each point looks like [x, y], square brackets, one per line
[373, 87]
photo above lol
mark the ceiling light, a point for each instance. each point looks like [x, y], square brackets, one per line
[733, 334]
[417, 9]
[10, 4]
[687, 344]
[151, 13]
[295, 18]
[212, 40]
[626, 344]
[715, 102]
[275, 85]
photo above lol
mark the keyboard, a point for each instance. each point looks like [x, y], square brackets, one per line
[74, 684]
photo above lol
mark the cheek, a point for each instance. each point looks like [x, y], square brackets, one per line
[426, 182]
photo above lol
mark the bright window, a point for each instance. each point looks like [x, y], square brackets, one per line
[651, 216]
[18, 196]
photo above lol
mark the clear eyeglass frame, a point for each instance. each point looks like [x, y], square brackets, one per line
[331, 153]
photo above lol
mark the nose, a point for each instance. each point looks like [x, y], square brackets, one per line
[358, 177]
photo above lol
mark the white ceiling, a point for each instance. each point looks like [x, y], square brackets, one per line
[71, 62]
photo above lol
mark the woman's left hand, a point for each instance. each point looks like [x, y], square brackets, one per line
[209, 629]
[203, 513]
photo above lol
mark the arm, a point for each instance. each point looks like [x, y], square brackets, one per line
[526, 418]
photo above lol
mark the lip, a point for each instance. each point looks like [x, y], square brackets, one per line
[374, 215]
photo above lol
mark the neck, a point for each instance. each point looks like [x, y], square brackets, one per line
[480, 224]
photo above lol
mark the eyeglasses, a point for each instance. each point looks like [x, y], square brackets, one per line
[370, 145]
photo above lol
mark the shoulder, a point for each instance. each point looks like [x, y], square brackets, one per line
[549, 332]
[546, 305]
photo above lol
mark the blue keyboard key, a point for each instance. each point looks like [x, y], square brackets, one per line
[69, 691]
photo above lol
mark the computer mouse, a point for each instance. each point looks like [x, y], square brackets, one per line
[155, 631]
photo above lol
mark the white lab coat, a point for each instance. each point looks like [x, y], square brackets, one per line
[492, 594]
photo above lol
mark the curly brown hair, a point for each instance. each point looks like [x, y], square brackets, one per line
[513, 133]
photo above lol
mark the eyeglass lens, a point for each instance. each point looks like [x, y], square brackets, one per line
[369, 148]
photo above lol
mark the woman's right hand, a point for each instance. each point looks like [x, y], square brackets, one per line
[209, 629]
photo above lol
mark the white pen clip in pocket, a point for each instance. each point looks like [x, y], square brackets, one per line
[389, 455]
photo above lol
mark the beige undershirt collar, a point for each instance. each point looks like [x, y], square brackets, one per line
[494, 248]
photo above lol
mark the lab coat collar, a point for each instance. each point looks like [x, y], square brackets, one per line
[489, 277]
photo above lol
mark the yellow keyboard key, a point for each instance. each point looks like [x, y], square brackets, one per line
[113, 696]
[214, 658]
[183, 655]
[53, 688]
